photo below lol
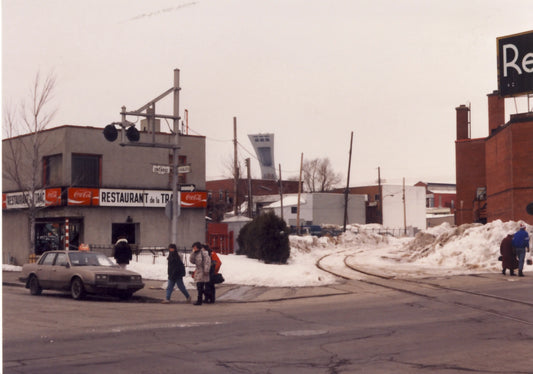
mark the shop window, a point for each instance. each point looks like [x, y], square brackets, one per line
[48, 237]
[52, 166]
[86, 170]
[50, 234]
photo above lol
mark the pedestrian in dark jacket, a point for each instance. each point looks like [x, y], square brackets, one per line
[176, 272]
[520, 244]
[200, 258]
[122, 252]
[210, 289]
[509, 260]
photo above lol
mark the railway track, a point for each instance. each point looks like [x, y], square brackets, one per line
[425, 288]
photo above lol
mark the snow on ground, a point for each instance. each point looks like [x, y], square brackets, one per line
[441, 250]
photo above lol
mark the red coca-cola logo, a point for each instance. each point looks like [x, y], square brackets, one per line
[52, 194]
[193, 197]
[82, 195]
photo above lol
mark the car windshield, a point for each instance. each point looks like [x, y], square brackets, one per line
[89, 259]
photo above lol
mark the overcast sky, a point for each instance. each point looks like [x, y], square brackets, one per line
[309, 71]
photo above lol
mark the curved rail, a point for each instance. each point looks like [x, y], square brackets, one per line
[396, 284]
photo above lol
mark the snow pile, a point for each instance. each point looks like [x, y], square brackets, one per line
[441, 250]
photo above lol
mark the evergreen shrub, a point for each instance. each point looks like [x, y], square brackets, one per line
[266, 238]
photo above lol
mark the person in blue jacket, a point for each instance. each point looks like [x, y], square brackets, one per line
[520, 244]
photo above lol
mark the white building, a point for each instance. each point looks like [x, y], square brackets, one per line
[320, 209]
[394, 207]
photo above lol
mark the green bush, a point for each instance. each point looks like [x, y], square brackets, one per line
[266, 238]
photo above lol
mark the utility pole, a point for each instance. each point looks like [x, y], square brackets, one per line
[404, 210]
[281, 190]
[250, 203]
[235, 169]
[299, 193]
[347, 190]
[129, 131]
[380, 197]
[176, 196]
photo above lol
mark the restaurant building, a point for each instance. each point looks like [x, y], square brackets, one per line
[91, 191]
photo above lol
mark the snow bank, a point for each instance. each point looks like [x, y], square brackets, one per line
[440, 250]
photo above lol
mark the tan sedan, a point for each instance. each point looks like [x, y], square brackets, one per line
[81, 273]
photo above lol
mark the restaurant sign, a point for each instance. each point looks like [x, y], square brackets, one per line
[107, 197]
[43, 198]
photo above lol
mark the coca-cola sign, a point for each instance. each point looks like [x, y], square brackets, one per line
[83, 196]
[196, 199]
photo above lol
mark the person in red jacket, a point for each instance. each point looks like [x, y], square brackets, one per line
[509, 260]
[215, 267]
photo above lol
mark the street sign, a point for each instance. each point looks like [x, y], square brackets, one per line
[184, 169]
[161, 169]
[187, 187]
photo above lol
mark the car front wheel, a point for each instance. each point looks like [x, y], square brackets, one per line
[35, 287]
[77, 290]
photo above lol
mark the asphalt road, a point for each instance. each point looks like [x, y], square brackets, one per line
[386, 326]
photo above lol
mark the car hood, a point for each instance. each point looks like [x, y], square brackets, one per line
[107, 270]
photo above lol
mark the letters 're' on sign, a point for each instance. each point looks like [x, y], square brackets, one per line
[515, 64]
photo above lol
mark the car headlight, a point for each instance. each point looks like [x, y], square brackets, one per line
[101, 277]
[136, 278]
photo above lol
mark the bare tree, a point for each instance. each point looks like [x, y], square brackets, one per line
[21, 161]
[319, 176]
[228, 167]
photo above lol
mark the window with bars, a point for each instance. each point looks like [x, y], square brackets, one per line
[86, 170]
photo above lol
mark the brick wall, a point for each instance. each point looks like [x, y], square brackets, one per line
[470, 174]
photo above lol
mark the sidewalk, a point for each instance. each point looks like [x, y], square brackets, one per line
[494, 283]
[226, 293]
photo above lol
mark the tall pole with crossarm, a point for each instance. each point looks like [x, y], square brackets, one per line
[175, 155]
[132, 134]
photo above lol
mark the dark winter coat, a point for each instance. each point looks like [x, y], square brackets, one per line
[507, 251]
[176, 268]
[122, 251]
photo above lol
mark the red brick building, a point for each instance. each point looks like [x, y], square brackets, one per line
[220, 193]
[494, 175]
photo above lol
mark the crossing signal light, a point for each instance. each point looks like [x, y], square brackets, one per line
[110, 133]
[132, 134]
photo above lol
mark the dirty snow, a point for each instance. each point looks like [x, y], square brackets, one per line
[441, 250]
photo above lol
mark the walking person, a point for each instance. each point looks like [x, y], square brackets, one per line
[122, 252]
[210, 290]
[507, 251]
[176, 272]
[201, 259]
[520, 244]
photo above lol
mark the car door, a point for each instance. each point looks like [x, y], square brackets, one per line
[59, 273]
[44, 269]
